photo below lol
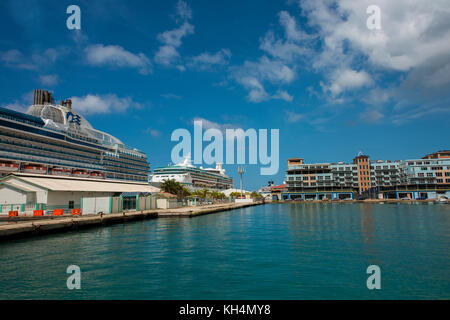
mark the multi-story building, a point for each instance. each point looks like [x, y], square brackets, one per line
[56, 140]
[426, 177]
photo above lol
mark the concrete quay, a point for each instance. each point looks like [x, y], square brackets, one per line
[18, 227]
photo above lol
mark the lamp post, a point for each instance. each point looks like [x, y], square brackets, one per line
[241, 171]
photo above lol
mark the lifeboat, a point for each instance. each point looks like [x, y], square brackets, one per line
[80, 173]
[60, 171]
[97, 174]
[34, 169]
[7, 166]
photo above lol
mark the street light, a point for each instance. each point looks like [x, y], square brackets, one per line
[241, 171]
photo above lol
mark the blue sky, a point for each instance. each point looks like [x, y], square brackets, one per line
[312, 69]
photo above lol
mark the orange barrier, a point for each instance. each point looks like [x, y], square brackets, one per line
[58, 212]
[13, 214]
[38, 213]
[76, 211]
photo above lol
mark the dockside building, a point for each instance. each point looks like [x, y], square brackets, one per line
[423, 178]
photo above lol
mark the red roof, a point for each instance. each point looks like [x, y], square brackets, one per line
[281, 186]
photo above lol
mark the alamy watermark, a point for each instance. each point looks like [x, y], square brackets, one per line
[219, 145]
[374, 280]
[374, 20]
[74, 280]
[74, 20]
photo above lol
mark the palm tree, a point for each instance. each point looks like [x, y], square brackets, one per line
[255, 195]
[170, 186]
[176, 188]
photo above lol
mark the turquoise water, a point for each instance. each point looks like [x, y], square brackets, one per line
[275, 251]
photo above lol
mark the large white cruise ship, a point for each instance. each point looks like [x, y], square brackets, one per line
[55, 139]
[193, 177]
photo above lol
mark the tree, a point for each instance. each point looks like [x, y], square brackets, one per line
[255, 195]
[175, 188]
[236, 194]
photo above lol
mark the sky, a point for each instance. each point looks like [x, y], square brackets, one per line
[314, 70]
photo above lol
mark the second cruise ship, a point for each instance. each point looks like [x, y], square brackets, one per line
[55, 139]
[192, 177]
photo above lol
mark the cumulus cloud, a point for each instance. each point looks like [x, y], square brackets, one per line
[292, 117]
[167, 54]
[206, 60]
[173, 37]
[17, 60]
[412, 48]
[22, 104]
[346, 79]
[117, 56]
[183, 11]
[278, 64]
[371, 116]
[102, 104]
[252, 74]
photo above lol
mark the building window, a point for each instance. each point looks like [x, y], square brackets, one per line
[71, 204]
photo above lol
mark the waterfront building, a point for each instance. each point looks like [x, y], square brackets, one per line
[424, 178]
[192, 177]
[25, 192]
[56, 140]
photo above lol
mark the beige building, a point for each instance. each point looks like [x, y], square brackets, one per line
[24, 193]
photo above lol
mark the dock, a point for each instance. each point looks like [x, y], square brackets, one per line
[19, 227]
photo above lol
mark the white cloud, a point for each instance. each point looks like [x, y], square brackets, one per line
[278, 65]
[284, 95]
[346, 79]
[206, 60]
[167, 54]
[183, 10]
[173, 37]
[116, 56]
[22, 104]
[264, 69]
[292, 117]
[153, 132]
[16, 59]
[171, 96]
[251, 76]
[371, 116]
[49, 80]
[412, 48]
[293, 33]
[102, 104]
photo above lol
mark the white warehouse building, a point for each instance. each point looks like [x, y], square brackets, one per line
[24, 193]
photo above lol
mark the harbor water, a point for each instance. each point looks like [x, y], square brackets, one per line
[274, 251]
